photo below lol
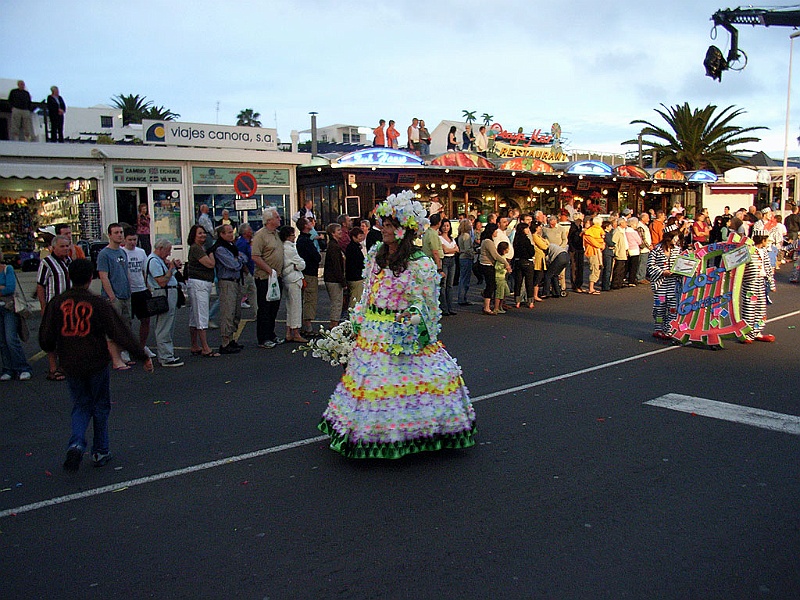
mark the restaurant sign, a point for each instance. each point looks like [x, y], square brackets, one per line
[546, 154]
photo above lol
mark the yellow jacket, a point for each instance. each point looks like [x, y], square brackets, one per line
[594, 240]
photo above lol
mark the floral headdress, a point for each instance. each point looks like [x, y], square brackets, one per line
[408, 211]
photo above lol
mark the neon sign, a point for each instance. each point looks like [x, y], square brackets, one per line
[380, 156]
[703, 176]
[590, 167]
[520, 139]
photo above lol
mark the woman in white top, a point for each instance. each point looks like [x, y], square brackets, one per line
[292, 277]
[449, 255]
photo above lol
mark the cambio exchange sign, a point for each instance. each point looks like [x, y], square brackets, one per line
[173, 133]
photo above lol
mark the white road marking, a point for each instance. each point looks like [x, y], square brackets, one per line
[766, 419]
[159, 476]
[217, 463]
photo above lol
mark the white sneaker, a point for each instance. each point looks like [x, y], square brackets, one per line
[5, 377]
[126, 358]
[245, 305]
[149, 352]
[25, 376]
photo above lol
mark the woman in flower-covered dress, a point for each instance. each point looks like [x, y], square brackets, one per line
[402, 392]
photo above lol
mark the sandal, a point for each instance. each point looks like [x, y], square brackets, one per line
[197, 352]
[122, 368]
[211, 354]
[56, 375]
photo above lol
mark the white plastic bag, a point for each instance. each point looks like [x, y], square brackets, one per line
[273, 288]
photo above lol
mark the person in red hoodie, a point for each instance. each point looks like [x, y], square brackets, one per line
[75, 326]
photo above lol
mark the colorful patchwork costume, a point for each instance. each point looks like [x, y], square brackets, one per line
[665, 287]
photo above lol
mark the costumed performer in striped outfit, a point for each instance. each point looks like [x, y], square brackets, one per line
[663, 282]
[758, 277]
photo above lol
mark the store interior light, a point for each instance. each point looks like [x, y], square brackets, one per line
[447, 170]
[354, 185]
[452, 186]
[605, 192]
[444, 186]
[416, 186]
[642, 193]
[513, 173]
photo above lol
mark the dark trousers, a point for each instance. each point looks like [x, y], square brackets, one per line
[491, 283]
[57, 128]
[618, 274]
[524, 273]
[633, 269]
[576, 275]
[554, 269]
[608, 265]
[266, 313]
[91, 401]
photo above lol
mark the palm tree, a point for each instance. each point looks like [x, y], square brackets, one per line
[159, 113]
[699, 138]
[469, 115]
[135, 108]
[249, 118]
[487, 118]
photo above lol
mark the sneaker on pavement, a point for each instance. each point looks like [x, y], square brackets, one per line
[175, 362]
[25, 376]
[278, 340]
[101, 459]
[5, 377]
[268, 344]
[149, 352]
[229, 349]
[213, 325]
[246, 305]
[73, 460]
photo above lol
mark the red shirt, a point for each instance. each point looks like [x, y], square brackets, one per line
[380, 138]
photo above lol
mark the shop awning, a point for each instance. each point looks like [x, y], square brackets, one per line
[525, 163]
[52, 170]
[667, 174]
[462, 159]
[631, 171]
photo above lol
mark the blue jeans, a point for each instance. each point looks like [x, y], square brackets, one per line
[91, 401]
[466, 276]
[445, 293]
[10, 346]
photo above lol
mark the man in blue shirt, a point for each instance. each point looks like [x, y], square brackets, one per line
[112, 267]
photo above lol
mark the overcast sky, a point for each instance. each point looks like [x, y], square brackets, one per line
[590, 66]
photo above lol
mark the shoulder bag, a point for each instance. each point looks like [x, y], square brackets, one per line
[156, 305]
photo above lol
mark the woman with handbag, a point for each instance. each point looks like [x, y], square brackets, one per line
[14, 361]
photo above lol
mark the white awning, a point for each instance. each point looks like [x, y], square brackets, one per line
[52, 170]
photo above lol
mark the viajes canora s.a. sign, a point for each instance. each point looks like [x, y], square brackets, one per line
[204, 135]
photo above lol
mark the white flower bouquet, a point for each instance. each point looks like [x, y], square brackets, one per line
[333, 346]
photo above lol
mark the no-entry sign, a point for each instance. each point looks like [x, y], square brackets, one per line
[245, 184]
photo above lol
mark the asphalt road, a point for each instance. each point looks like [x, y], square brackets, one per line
[220, 486]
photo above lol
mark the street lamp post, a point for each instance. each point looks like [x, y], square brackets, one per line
[785, 187]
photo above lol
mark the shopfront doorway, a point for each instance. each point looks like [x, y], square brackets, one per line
[128, 200]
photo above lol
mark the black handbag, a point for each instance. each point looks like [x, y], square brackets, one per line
[156, 305]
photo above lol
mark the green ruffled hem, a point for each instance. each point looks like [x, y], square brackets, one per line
[392, 450]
